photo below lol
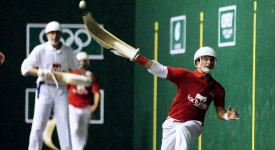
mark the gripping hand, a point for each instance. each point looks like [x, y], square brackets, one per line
[122, 55]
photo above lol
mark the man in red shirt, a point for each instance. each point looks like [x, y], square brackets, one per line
[195, 92]
[82, 104]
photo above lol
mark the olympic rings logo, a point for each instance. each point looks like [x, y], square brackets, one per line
[73, 38]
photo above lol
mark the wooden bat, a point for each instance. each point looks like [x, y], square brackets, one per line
[70, 78]
[106, 39]
[47, 134]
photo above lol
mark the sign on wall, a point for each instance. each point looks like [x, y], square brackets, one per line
[96, 118]
[227, 26]
[74, 35]
[177, 34]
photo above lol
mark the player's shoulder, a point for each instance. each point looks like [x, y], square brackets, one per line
[39, 48]
[177, 74]
[179, 70]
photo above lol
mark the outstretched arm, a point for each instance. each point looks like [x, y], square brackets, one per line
[227, 115]
[143, 61]
[153, 67]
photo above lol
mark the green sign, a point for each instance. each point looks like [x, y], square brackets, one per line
[227, 26]
[74, 35]
[177, 34]
[96, 118]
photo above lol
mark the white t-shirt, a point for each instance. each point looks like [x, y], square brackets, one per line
[45, 56]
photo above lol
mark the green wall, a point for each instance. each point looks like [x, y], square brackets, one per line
[234, 70]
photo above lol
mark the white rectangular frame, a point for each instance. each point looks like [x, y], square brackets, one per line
[224, 9]
[100, 121]
[178, 51]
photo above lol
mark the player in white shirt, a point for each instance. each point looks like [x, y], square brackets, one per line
[47, 57]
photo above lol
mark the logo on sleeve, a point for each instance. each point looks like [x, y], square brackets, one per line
[199, 101]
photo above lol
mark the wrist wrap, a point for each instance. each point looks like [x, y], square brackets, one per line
[141, 60]
[39, 72]
[226, 117]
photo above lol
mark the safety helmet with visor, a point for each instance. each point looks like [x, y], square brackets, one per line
[205, 51]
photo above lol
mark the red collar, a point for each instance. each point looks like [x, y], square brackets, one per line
[198, 74]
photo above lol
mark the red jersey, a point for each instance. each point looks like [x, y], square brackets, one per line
[81, 96]
[194, 94]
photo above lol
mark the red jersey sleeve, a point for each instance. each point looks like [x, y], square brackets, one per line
[176, 74]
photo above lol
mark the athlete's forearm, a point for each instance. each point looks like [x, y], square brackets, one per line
[33, 71]
[220, 112]
[222, 115]
[153, 67]
[149, 64]
[96, 98]
[143, 61]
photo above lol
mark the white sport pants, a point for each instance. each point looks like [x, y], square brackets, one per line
[49, 97]
[178, 136]
[79, 123]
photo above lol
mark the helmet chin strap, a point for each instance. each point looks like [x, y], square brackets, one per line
[204, 69]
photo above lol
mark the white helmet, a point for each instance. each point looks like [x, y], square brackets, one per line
[82, 56]
[53, 26]
[205, 51]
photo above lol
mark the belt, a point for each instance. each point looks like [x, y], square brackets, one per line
[46, 83]
[49, 84]
[53, 84]
[175, 120]
[183, 121]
